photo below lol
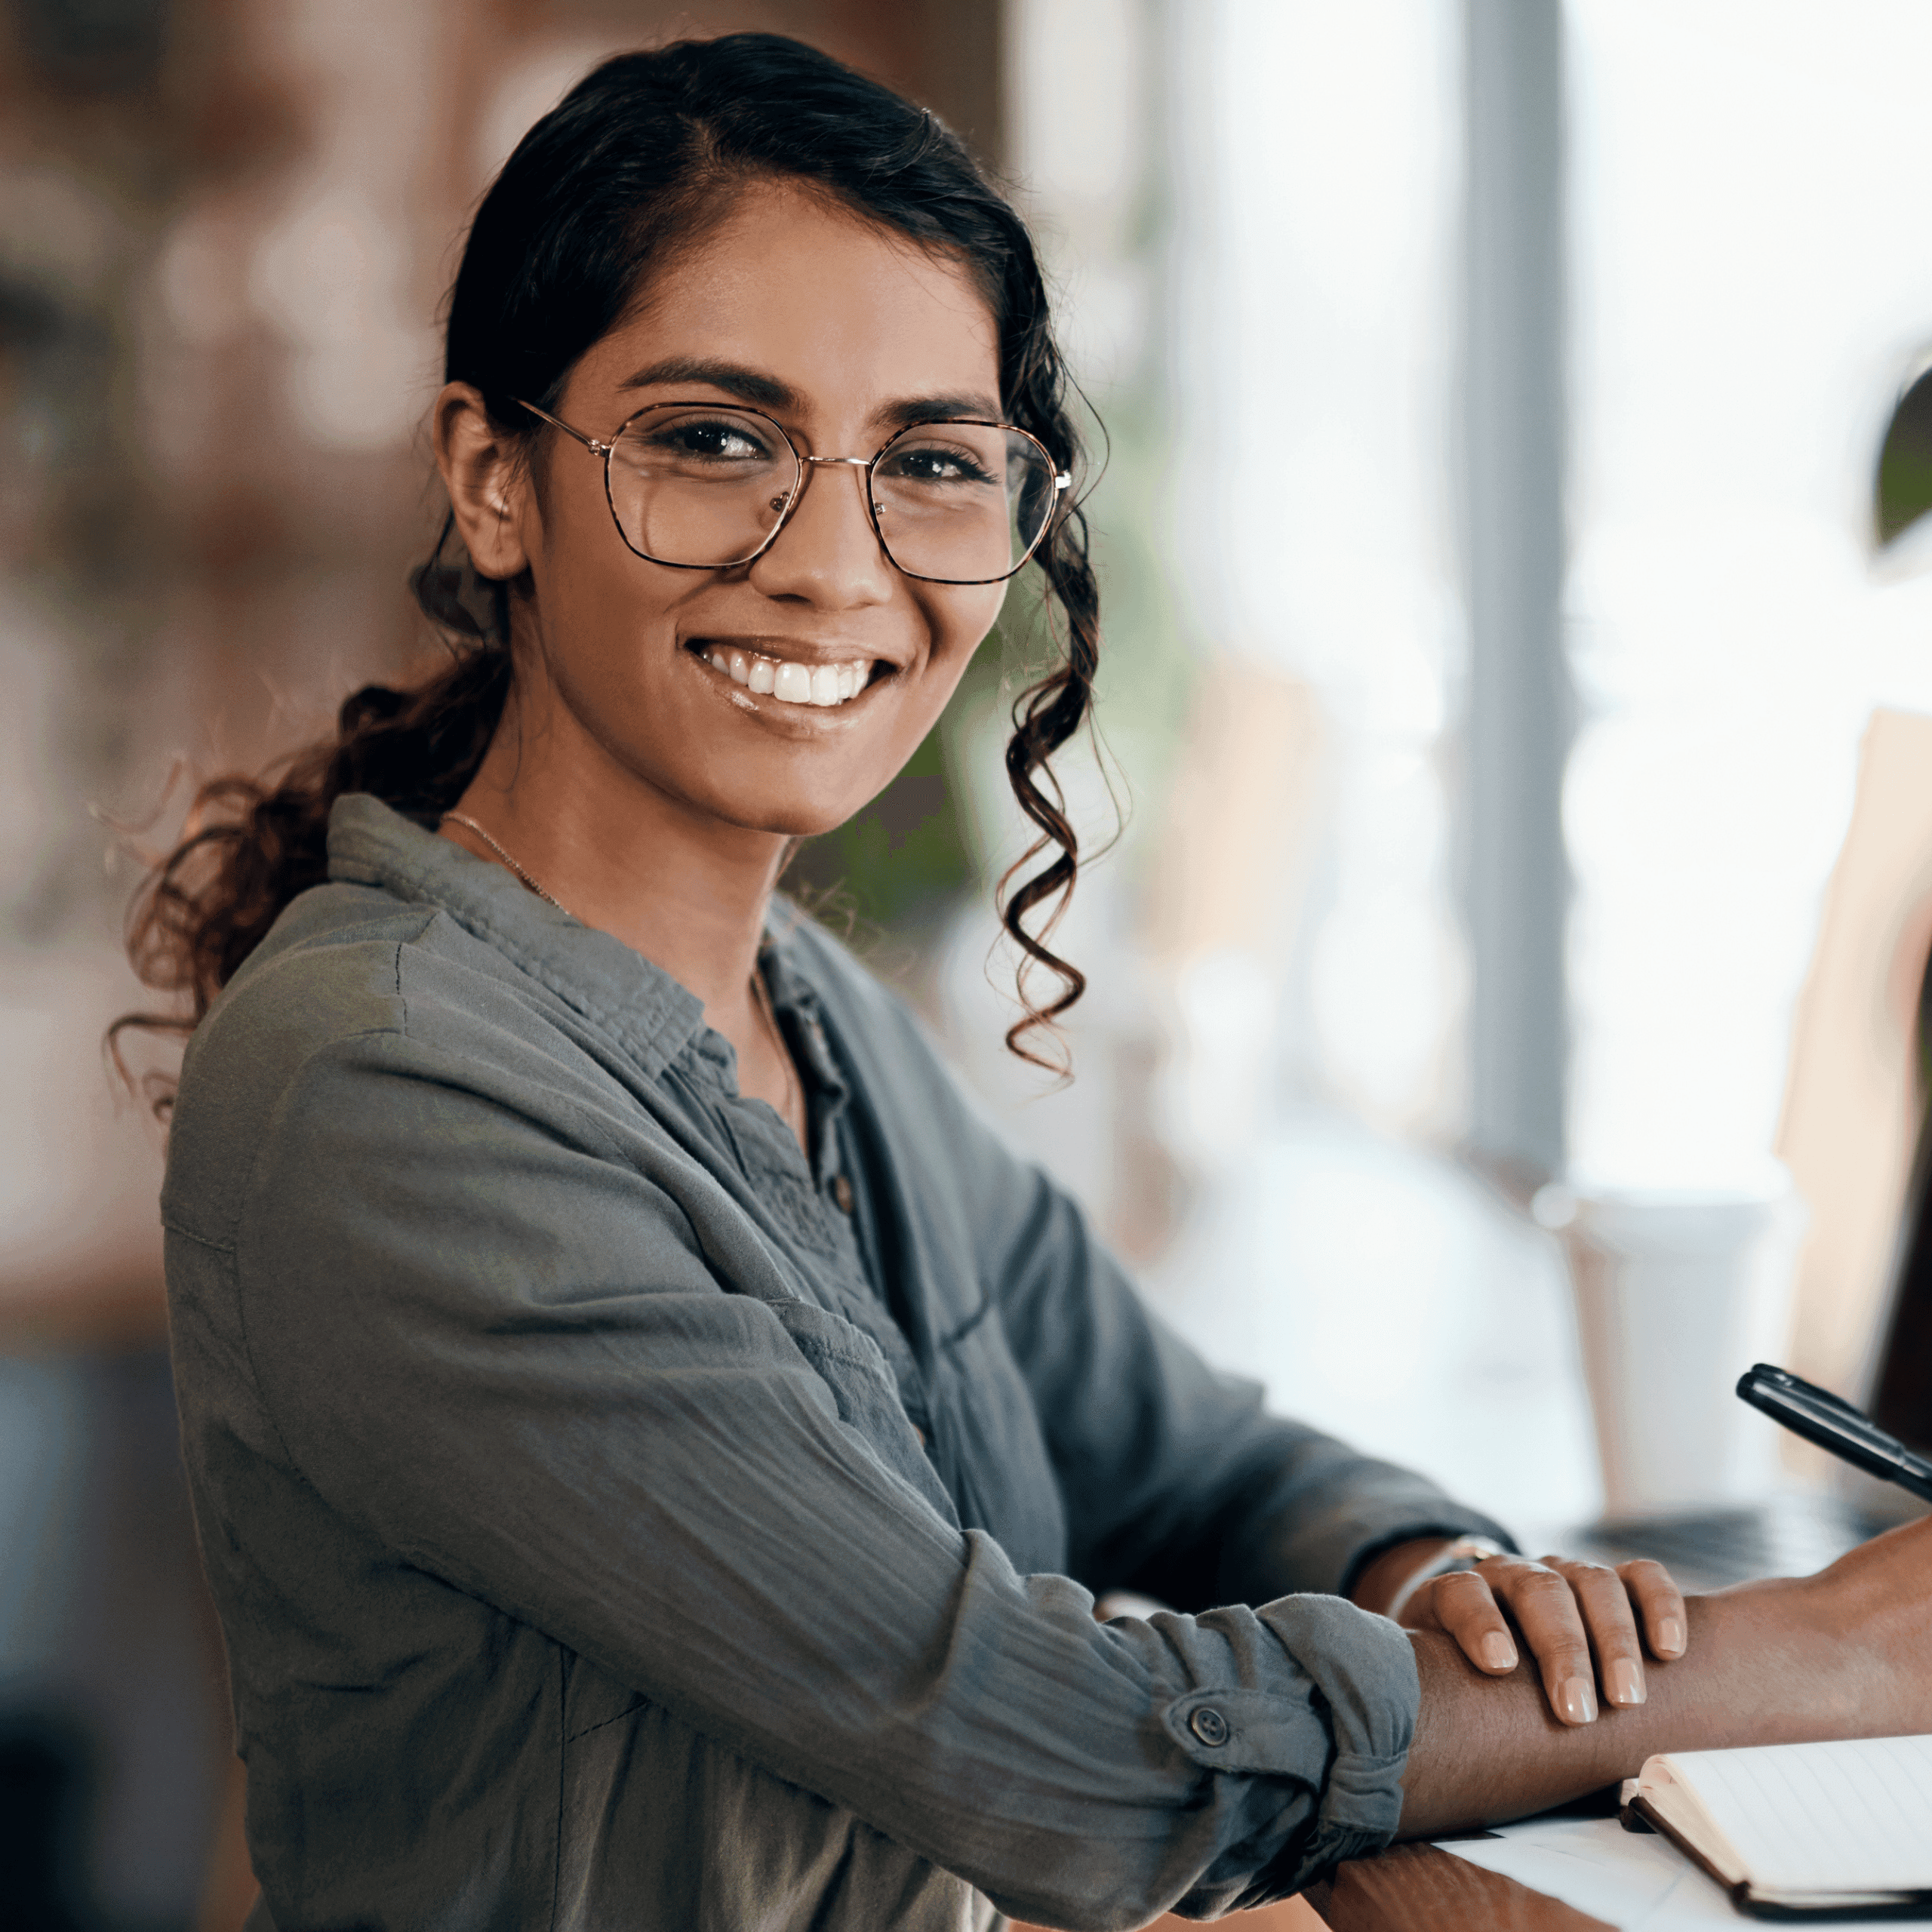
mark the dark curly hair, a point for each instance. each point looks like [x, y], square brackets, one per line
[641, 154]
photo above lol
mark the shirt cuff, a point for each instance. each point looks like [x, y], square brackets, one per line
[1354, 1714]
[1368, 1680]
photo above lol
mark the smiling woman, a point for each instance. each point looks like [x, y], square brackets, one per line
[653, 1448]
[747, 537]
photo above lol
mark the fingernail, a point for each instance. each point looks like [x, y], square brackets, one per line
[1626, 1681]
[1498, 1652]
[1576, 1701]
[1671, 1637]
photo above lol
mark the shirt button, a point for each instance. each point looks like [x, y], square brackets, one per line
[1208, 1724]
[841, 1192]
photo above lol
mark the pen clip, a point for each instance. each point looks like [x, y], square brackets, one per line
[1782, 1379]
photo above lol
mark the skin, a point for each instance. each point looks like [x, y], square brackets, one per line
[1846, 1653]
[657, 800]
[1587, 1625]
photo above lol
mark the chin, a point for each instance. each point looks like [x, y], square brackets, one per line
[791, 817]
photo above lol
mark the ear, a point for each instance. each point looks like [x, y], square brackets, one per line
[489, 490]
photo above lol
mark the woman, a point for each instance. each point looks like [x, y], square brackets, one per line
[652, 1446]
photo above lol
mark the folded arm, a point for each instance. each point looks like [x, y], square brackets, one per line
[1180, 1486]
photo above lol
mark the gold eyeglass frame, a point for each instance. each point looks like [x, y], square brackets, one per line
[804, 465]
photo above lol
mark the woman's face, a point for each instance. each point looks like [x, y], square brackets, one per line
[841, 333]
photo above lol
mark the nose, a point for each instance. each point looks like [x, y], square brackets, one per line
[828, 553]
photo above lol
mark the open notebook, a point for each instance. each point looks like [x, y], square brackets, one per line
[1791, 1829]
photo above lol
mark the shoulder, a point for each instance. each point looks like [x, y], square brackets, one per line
[342, 961]
[351, 980]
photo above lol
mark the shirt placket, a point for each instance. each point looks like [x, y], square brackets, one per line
[832, 1169]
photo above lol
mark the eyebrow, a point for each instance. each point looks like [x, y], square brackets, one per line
[751, 386]
[932, 408]
[767, 392]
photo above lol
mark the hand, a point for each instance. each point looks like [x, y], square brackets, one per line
[1845, 1654]
[1569, 1613]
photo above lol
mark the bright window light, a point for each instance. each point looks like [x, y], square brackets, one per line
[1752, 283]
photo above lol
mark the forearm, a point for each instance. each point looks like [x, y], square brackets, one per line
[1387, 1578]
[1763, 1666]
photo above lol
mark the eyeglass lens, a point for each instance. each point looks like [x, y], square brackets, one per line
[703, 486]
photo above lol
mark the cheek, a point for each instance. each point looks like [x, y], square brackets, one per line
[958, 620]
[603, 606]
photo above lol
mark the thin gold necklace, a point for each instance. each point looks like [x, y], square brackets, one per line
[529, 878]
[761, 993]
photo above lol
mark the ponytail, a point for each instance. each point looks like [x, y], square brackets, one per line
[251, 845]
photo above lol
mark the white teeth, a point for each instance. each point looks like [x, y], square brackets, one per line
[824, 685]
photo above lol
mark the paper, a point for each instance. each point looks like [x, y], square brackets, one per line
[1851, 1817]
[1635, 1881]
[1628, 1879]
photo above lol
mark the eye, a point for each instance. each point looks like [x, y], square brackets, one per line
[933, 462]
[714, 443]
[723, 439]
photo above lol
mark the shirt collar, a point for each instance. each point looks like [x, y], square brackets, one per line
[648, 1012]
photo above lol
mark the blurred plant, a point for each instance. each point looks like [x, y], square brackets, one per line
[1904, 493]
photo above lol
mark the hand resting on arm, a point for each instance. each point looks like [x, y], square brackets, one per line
[1579, 1620]
[1845, 1654]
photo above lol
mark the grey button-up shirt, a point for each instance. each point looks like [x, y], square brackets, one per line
[610, 1529]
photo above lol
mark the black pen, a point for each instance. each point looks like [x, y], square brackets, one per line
[1831, 1422]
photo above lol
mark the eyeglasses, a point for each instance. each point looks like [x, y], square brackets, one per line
[698, 486]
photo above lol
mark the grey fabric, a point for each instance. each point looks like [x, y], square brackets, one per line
[608, 1531]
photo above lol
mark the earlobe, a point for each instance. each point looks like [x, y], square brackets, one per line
[480, 472]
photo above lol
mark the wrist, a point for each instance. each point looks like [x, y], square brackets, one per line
[1389, 1572]
[1394, 1576]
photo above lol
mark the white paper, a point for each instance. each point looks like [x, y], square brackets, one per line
[1849, 1816]
[1635, 1881]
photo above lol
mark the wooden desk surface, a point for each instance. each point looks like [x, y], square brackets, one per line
[1407, 1888]
[1416, 1888]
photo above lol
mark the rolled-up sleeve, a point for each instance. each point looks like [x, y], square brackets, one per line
[505, 1351]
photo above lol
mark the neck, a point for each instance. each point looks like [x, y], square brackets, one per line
[686, 890]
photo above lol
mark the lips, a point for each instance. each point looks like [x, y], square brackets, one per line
[785, 680]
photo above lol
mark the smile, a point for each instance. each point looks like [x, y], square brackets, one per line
[786, 681]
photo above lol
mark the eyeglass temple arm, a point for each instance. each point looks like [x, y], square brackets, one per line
[557, 422]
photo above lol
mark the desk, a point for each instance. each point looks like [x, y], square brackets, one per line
[1416, 1888]
[1407, 1888]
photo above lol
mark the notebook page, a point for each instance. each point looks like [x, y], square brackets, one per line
[1855, 1816]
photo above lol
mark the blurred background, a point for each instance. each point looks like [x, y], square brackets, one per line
[1510, 522]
